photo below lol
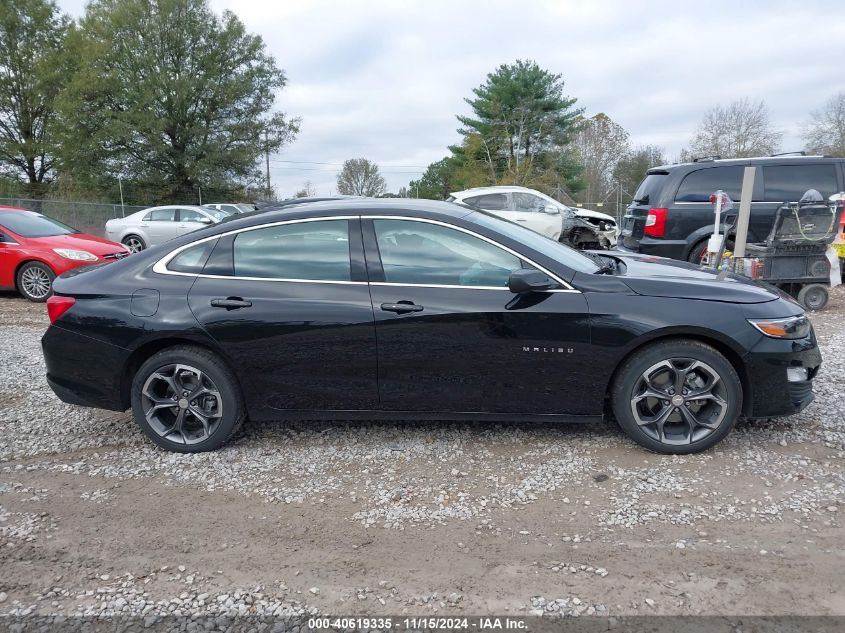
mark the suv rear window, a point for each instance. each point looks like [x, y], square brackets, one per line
[788, 183]
[698, 185]
[649, 188]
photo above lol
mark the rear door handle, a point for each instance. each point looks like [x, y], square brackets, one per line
[401, 307]
[231, 303]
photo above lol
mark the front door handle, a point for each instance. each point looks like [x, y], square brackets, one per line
[401, 307]
[231, 303]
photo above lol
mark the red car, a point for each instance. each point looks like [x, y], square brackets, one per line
[35, 249]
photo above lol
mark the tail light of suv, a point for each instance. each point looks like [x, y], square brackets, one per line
[655, 222]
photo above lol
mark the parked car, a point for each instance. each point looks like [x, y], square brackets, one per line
[231, 208]
[580, 228]
[158, 224]
[671, 214]
[412, 309]
[35, 248]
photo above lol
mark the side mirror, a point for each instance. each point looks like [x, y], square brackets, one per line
[204, 220]
[551, 209]
[529, 280]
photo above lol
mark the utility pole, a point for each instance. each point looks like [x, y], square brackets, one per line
[120, 185]
[267, 157]
[200, 192]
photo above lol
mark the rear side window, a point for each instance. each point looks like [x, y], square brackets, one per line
[649, 188]
[698, 185]
[489, 202]
[317, 251]
[788, 183]
[161, 215]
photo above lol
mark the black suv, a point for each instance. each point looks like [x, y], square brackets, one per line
[671, 214]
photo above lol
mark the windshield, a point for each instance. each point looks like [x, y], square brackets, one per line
[548, 247]
[31, 224]
[219, 214]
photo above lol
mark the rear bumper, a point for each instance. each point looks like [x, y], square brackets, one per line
[82, 370]
[772, 393]
[674, 249]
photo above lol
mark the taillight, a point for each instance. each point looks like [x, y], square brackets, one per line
[57, 306]
[655, 222]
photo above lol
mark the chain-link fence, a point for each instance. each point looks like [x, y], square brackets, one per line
[88, 217]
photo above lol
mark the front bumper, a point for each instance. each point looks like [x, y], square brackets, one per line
[772, 393]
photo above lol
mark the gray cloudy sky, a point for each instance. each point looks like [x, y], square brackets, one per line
[384, 80]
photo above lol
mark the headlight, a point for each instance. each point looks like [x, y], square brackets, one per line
[790, 327]
[81, 256]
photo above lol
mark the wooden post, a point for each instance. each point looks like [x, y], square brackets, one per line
[744, 211]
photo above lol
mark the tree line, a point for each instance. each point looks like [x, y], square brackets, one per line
[159, 100]
[151, 98]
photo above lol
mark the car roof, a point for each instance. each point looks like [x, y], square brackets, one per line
[15, 209]
[754, 160]
[494, 188]
[177, 206]
[350, 206]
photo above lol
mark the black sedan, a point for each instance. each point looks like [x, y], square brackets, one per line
[420, 310]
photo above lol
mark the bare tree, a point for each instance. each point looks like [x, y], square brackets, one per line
[360, 177]
[601, 143]
[825, 132]
[740, 130]
[307, 190]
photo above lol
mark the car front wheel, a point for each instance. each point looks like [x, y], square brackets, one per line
[185, 399]
[677, 397]
[35, 281]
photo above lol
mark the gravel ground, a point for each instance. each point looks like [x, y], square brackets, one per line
[384, 518]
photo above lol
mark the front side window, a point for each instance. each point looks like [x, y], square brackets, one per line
[788, 183]
[316, 251]
[430, 254]
[489, 202]
[528, 202]
[161, 215]
[698, 185]
[189, 215]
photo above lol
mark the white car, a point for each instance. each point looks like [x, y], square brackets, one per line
[543, 214]
[158, 224]
[230, 207]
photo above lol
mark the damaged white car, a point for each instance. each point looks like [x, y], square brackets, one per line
[579, 228]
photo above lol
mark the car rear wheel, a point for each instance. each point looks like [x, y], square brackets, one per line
[35, 281]
[185, 399]
[677, 397]
[134, 243]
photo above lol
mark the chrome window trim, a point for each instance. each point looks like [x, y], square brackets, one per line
[566, 286]
[160, 266]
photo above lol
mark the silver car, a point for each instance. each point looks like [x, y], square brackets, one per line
[158, 224]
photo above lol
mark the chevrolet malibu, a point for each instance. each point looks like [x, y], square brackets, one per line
[409, 310]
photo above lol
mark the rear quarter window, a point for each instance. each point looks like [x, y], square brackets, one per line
[788, 183]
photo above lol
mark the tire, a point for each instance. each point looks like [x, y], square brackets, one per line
[662, 363]
[35, 281]
[697, 253]
[196, 370]
[135, 243]
[813, 297]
